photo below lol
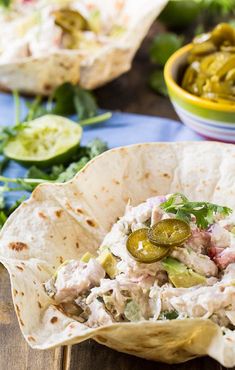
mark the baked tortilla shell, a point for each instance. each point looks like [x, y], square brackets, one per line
[89, 69]
[62, 221]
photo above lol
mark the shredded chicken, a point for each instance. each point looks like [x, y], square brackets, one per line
[197, 262]
[76, 277]
[98, 315]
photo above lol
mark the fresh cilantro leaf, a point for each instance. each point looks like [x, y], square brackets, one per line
[96, 147]
[72, 169]
[3, 218]
[157, 83]
[36, 173]
[222, 7]
[204, 212]
[84, 103]
[16, 205]
[163, 46]
[63, 97]
[70, 99]
[5, 211]
[5, 3]
[66, 100]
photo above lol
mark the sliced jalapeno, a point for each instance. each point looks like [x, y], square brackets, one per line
[142, 250]
[169, 233]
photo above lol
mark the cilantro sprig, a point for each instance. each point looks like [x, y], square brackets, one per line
[204, 212]
[5, 3]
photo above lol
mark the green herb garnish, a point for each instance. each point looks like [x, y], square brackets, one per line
[163, 46]
[5, 3]
[66, 100]
[204, 212]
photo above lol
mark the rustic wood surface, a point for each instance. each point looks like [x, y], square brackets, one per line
[129, 93]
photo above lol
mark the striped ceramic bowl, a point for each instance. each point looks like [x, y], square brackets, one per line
[212, 120]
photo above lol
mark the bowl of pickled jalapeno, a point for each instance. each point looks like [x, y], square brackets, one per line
[200, 78]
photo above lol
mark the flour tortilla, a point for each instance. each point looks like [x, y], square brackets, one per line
[62, 221]
[43, 74]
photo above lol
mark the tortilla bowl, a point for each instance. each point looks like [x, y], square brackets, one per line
[88, 68]
[62, 221]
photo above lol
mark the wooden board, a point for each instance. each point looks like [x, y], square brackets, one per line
[129, 93]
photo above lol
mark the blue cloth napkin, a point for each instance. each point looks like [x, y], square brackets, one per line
[121, 129]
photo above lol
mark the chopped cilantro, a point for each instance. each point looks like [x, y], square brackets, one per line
[204, 212]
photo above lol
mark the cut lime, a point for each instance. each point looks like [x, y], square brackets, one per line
[45, 141]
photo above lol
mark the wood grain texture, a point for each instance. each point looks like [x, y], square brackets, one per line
[15, 354]
[91, 355]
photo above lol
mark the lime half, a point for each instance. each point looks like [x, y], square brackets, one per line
[45, 141]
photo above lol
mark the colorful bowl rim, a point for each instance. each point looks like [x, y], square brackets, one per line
[192, 99]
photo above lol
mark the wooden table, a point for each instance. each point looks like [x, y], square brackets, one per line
[129, 93]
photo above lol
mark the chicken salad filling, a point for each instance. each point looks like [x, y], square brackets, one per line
[167, 258]
[35, 28]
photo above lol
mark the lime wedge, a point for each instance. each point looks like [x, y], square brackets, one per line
[45, 141]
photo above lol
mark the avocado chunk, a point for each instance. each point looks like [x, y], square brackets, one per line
[86, 257]
[180, 275]
[108, 262]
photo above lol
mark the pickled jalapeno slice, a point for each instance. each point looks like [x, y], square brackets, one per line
[211, 64]
[169, 233]
[142, 250]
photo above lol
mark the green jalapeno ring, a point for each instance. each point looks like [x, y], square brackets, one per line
[169, 232]
[142, 250]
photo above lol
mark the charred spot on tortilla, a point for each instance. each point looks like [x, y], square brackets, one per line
[61, 259]
[31, 338]
[68, 206]
[79, 210]
[54, 319]
[42, 215]
[15, 292]
[116, 182]
[58, 212]
[17, 246]
[64, 237]
[91, 223]
[77, 245]
[167, 175]
[22, 293]
[39, 304]
[19, 268]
